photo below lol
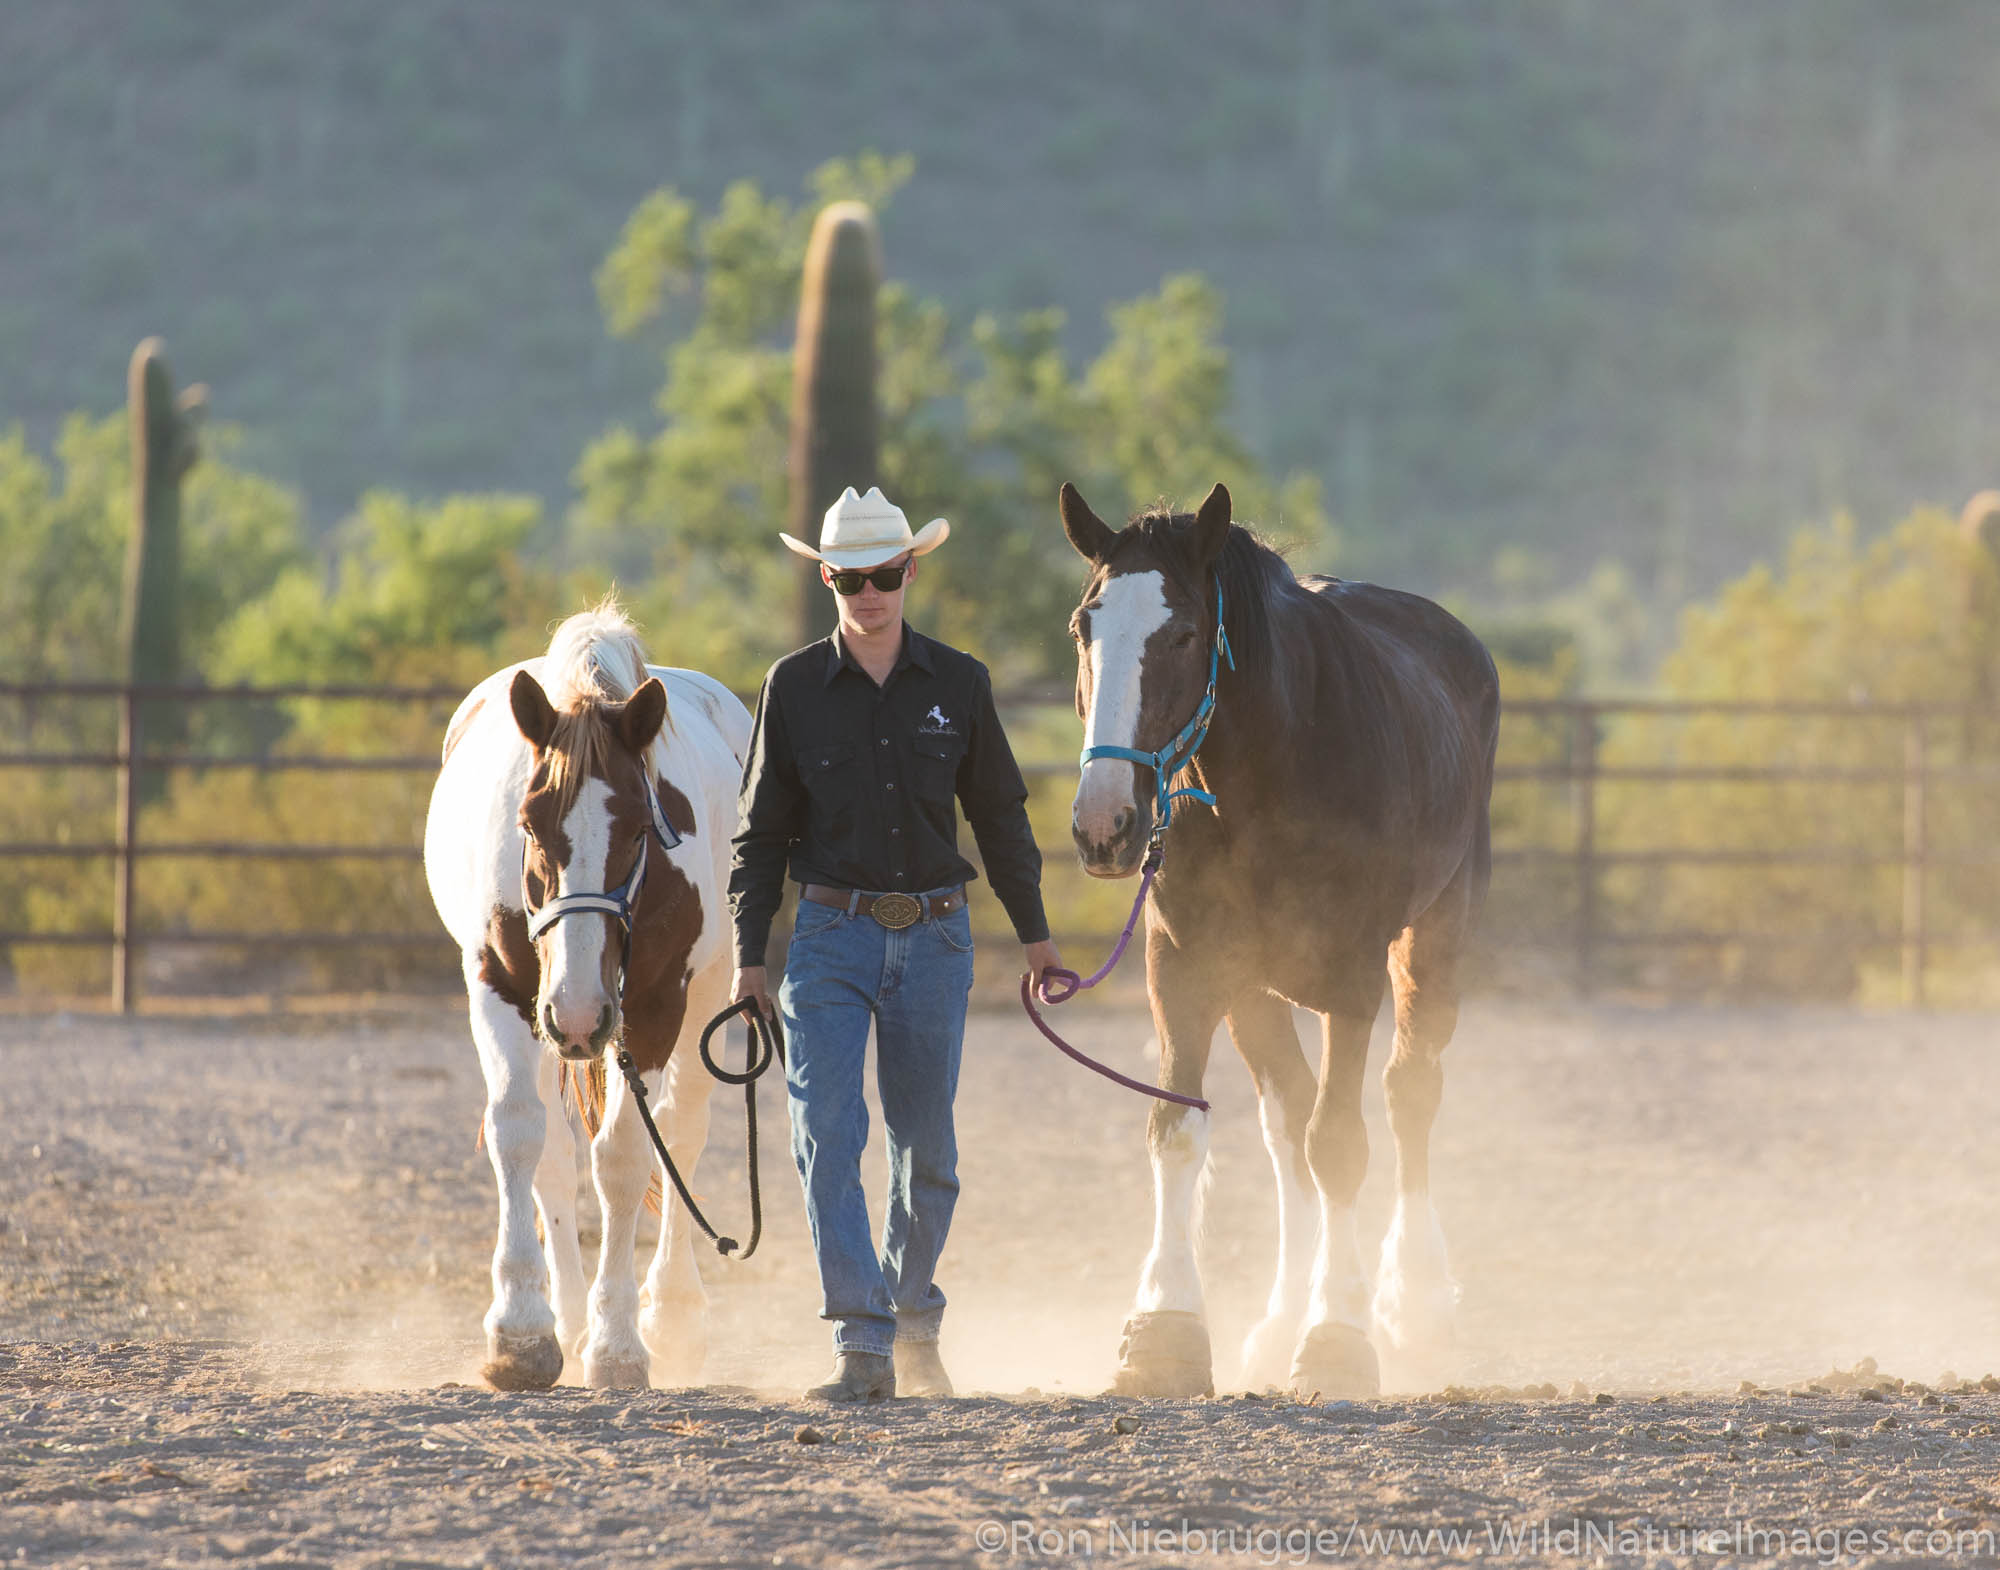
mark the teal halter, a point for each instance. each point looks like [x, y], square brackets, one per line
[1179, 753]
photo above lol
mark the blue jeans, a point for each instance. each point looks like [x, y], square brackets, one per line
[842, 973]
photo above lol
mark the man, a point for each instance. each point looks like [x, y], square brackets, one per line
[861, 743]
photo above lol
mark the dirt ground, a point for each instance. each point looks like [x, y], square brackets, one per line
[243, 1263]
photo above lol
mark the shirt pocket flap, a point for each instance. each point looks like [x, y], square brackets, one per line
[816, 760]
[934, 766]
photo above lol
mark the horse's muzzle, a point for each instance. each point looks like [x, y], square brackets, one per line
[1119, 856]
[568, 1044]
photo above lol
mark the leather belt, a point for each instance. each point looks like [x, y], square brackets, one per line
[894, 911]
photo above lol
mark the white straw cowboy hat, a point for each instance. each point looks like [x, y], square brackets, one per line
[866, 531]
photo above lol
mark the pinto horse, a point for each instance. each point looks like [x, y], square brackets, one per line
[578, 851]
[1349, 756]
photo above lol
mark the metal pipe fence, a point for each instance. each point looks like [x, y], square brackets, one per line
[1571, 734]
[129, 761]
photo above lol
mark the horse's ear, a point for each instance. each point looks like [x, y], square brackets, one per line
[1089, 533]
[644, 712]
[532, 710]
[1211, 524]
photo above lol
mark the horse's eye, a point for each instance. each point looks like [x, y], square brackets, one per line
[1184, 639]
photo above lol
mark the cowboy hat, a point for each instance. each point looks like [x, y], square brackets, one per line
[865, 531]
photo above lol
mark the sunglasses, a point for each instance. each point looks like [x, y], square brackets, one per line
[849, 580]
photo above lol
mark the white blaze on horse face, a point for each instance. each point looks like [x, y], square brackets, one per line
[1130, 609]
[573, 989]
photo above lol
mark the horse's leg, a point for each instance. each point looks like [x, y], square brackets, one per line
[620, 1161]
[1165, 1350]
[555, 1196]
[1261, 1026]
[1416, 1298]
[522, 1352]
[674, 1322]
[1333, 1356]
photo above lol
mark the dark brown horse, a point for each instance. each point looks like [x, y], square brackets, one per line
[1351, 761]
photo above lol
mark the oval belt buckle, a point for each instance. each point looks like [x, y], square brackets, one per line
[896, 911]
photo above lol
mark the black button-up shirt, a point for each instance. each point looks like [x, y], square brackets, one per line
[853, 784]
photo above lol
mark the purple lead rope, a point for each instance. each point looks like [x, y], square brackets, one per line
[1059, 986]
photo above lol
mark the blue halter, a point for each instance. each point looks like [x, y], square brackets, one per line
[1179, 753]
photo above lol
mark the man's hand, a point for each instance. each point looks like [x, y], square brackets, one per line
[1041, 956]
[750, 984]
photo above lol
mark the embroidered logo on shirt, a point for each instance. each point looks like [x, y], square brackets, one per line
[937, 723]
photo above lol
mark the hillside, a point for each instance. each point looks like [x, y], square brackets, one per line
[1652, 281]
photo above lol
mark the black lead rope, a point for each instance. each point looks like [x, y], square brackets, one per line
[764, 1046]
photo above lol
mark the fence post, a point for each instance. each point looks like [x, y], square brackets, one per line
[1583, 800]
[1916, 936]
[124, 989]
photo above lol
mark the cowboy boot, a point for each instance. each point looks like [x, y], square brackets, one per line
[920, 1371]
[858, 1376]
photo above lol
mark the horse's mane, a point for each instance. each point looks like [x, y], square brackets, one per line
[595, 660]
[1258, 588]
[1254, 576]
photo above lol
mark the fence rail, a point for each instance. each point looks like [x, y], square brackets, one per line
[1578, 723]
[129, 761]
[1584, 771]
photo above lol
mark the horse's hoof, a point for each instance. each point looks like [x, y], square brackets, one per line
[1336, 1361]
[1164, 1354]
[523, 1363]
[615, 1373]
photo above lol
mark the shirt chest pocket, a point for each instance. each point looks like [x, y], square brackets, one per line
[829, 774]
[934, 768]
[820, 763]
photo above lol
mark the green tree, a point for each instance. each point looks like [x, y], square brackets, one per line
[64, 544]
[980, 424]
[63, 533]
[1905, 619]
[1143, 423]
[416, 593]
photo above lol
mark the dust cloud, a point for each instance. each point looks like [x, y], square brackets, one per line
[1638, 1199]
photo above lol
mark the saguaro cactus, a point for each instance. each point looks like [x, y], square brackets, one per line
[1980, 520]
[1979, 523]
[165, 445]
[833, 385]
